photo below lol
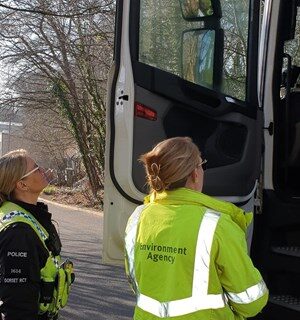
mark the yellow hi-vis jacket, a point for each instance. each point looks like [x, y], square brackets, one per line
[53, 274]
[186, 258]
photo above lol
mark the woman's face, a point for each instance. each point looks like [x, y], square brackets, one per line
[36, 180]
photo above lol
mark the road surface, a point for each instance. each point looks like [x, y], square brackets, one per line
[100, 291]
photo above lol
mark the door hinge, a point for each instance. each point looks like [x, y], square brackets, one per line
[270, 128]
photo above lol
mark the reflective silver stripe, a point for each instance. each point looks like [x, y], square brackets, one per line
[251, 294]
[11, 215]
[203, 248]
[180, 307]
[130, 238]
[199, 300]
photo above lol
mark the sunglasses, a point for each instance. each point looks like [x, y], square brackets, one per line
[202, 164]
[30, 172]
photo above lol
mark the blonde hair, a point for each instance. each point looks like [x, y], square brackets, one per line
[13, 166]
[170, 162]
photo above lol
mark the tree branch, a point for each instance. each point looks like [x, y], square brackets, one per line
[95, 10]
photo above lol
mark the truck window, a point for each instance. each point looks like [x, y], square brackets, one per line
[163, 31]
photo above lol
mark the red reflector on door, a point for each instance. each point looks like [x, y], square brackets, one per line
[142, 111]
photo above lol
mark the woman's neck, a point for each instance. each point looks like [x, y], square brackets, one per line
[28, 198]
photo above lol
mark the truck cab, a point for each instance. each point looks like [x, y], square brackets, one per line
[226, 74]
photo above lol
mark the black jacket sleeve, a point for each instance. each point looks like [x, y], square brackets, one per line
[22, 256]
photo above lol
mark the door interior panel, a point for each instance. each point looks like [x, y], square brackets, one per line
[227, 142]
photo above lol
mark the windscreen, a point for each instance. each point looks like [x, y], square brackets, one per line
[188, 47]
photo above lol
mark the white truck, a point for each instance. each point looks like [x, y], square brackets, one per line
[225, 73]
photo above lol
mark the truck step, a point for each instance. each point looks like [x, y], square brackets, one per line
[289, 251]
[287, 301]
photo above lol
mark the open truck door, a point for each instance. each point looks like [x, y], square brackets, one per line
[182, 70]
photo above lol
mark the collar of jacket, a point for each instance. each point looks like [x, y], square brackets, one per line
[39, 211]
[189, 196]
[43, 216]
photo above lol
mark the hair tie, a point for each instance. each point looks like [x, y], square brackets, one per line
[154, 178]
[155, 169]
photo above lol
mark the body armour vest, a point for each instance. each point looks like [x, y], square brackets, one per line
[56, 278]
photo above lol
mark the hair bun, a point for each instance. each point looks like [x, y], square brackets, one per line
[154, 178]
[155, 169]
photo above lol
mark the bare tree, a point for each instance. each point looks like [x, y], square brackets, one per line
[72, 53]
[37, 122]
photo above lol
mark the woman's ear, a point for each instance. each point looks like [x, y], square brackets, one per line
[21, 185]
[195, 180]
[195, 175]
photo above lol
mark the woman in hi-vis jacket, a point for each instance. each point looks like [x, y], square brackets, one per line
[34, 284]
[186, 252]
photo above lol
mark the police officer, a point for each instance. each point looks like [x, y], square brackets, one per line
[30, 267]
[186, 253]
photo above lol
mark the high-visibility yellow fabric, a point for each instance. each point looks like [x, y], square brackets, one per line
[165, 247]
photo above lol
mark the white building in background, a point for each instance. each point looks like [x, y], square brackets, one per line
[8, 129]
[1, 139]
